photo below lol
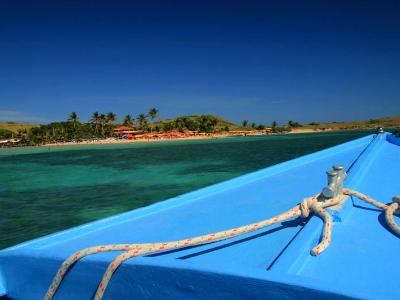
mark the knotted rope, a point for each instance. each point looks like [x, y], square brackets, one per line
[315, 204]
[393, 208]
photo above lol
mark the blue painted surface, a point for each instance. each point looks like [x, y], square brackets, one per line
[272, 263]
[2, 286]
[393, 139]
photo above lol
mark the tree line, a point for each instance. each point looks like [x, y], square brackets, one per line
[99, 126]
[102, 126]
[274, 126]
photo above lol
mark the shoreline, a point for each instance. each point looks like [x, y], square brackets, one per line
[150, 140]
[111, 141]
[125, 141]
[174, 139]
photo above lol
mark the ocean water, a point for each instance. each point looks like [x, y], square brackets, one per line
[44, 190]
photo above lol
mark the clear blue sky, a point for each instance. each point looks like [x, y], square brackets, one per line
[257, 60]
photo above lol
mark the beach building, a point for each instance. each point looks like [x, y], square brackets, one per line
[123, 130]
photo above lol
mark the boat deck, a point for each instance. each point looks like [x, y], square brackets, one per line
[271, 263]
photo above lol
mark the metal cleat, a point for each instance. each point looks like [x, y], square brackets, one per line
[330, 191]
[336, 178]
[379, 130]
[340, 179]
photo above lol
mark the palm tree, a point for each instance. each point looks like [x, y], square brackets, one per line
[111, 117]
[73, 118]
[142, 120]
[153, 113]
[95, 117]
[102, 120]
[244, 123]
[273, 126]
[253, 125]
[109, 120]
[95, 120]
[128, 121]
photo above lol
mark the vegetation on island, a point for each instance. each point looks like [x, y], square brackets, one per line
[101, 126]
[387, 122]
[11, 130]
[200, 123]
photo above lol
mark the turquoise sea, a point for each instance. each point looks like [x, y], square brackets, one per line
[44, 190]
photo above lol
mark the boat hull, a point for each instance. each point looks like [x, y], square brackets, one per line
[271, 263]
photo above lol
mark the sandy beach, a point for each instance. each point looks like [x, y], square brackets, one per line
[148, 140]
[127, 141]
[311, 130]
[171, 139]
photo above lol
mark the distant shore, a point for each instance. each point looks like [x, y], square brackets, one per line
[125, 141]
[172, 139]
[146, 140]
[310, 130]
[193, 127]
[110, 141]
[150, 140]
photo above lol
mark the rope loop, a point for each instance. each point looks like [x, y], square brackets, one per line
[393, 208]
[327, 231]
[306, 206]
[304, 209]
[396, 199]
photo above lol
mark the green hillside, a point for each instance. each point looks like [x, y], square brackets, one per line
[14, 127]
[193, 121]
[387, 122]
[11, 129]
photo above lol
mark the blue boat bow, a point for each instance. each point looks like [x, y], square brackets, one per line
[271, 263]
